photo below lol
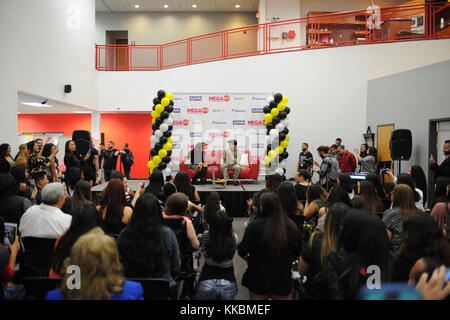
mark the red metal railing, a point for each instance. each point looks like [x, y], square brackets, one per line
[390, 24]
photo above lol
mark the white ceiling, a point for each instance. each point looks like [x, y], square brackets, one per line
[54, 106]
[175, 5]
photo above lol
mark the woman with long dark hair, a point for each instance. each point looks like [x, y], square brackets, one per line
[363, 242]
[403, 206]
[273, 182]
[370, 200]
[73, 177]
[422, 237]
[313, 259]
[156, 183]
[84, 219]
[337, 195]
[404, 178]
[114, 215]
[219, 243]
[49, 154]
[6, 161]
[213, 205]
[183, 184]
[71, 159]
[36, 163]
[81, 194]
[147, 248]
[20, 174]
[270, 245]
[288, 199]
[420, 181]
[316, 198]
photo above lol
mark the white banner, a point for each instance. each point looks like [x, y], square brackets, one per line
[214, 118]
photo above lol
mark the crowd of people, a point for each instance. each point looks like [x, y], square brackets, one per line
[314, 241]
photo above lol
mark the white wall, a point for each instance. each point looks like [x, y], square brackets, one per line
[41, 53]
[342, 5]
[161, 28]
[327, 89]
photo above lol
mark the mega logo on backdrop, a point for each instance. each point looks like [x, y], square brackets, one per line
[194, 110]
[256, 122]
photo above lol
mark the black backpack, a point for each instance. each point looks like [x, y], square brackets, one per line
[129, 159]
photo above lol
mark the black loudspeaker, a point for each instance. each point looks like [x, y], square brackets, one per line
[67, 88]
[401, 144]
[82, 139]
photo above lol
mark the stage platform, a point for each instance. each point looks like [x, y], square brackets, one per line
[234, 197]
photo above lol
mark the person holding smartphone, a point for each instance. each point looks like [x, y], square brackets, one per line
[7, 272]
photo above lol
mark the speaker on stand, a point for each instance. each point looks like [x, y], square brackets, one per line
[400, 145]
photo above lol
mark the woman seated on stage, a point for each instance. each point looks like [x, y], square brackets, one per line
[114, 214]
[197, 162]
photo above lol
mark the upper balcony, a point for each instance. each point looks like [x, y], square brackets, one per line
[390, 24]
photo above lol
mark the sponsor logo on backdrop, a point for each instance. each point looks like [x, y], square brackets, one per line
[176, 146]
[175, 159]
[238, 122]
[218, 110]
[256, 122]
[224, 134]
[224, 98]
[184, 122]
[177, 99]
[240, 98]
[258, 98]
[219, 122]
[176, 110]
[260, 133]
[195, 98]
[257, 110]
[205, 110]
[195, 134]
[257, 145]
[194, 110]
[238, 110]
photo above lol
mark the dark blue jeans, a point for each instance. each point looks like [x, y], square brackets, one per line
[216, 289]
[108, 174]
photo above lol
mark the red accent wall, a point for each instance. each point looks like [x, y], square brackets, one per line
[66, 123]
[120, 128]
[136, 129]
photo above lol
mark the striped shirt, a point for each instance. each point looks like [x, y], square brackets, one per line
[393, 221]
[222, 264]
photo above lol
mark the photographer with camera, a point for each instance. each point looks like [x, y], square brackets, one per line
[305, 158]
[329, 168]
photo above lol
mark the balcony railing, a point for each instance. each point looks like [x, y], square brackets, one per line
[390, 24]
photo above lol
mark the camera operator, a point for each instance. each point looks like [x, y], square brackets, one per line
[329, 168]
[305, 158]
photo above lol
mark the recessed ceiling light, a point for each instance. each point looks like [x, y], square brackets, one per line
[237, 6]
[136, 6]
[36, 104]
[194, 6]
[166, 6]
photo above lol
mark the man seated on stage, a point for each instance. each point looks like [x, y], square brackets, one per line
[197, 157]
[231, 160]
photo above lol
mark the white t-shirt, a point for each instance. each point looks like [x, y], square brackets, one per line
[44, 221]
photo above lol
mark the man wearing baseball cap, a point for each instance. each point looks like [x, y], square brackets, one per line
[231, 160]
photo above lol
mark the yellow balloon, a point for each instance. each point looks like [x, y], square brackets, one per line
[281, 106]
[266, 159]
[170, 139]
[153, 120]
[275, 112]
[267, 165]
[151, 170]
[285, 100]
[157, 159]
[149, 164]
[162, 153]
[280, 150]
[155, 114]
[287, 137]
[165, 102]
[284, 144]
[272, 154]
[159, 108]
[268, 117]
[169, 95]
[167, 146]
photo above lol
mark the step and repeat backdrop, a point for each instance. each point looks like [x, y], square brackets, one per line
[214, 118]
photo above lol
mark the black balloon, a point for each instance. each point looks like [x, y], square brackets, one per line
[162, 165]
[158, 122]
[269, 147]
[273, 104]
[156, 101]
[170, 128]
[164, 115]
[153, 152]
[169, 153]
[167, 134]
[287, 110]
[153, 108]
[171, 103]
[158, 146]
[154, 127]
[285, 154]
[285, 131]
[282, 115]
[270, 126]
[163, 140]
[278, 97]
[161, 94]
[282, 136]
[266, 109]
[166, 160]
[284, 170]
[275, 121]
[169, 108]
